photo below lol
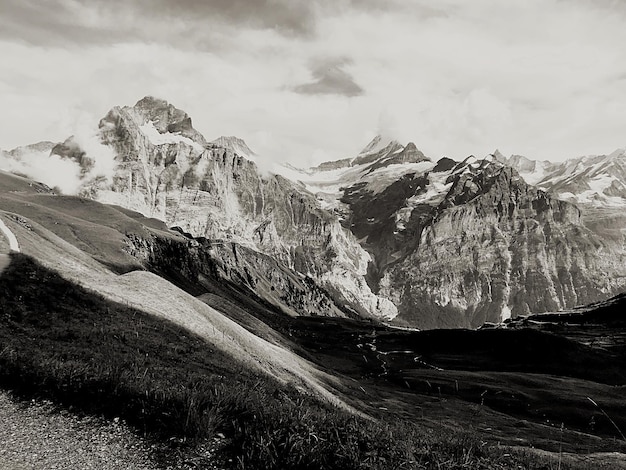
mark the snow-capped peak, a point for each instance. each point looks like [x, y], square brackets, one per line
[377, 144]
[160, 138]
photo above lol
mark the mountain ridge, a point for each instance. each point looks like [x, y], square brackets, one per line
[364, 229]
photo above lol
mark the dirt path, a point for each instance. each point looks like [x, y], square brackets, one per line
[35, 436]
[10, 236]
[8, 243]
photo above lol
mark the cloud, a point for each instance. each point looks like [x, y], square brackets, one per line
[528, 76]
[61, 172]
[103, 158]
[330, 78]
[51, 170]
[188, 24]
[192, 24]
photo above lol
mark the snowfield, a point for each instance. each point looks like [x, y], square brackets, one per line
[156, 138]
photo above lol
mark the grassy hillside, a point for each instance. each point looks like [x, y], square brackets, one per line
[70, 345]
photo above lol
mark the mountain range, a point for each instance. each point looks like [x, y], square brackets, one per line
[388, 234]
[385, 310]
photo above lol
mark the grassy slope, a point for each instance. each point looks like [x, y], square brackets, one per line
[491, 384]
[514, 387]
[62, 342]
[91, 227]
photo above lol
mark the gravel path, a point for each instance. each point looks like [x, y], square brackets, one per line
[37, 436]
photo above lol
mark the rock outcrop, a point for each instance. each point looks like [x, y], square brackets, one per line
[199, 265]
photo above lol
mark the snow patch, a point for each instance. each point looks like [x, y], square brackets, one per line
[435, 192]
[506, 313]
[382, 178]
[601, 183]
[534, 177]
[156, 138]
[595, 194]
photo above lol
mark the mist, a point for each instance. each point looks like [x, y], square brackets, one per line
[63, 173]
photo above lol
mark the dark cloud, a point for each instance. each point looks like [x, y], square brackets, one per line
[52, 24]
[285, 16]
[189, 24]
[330, 79]
[183, 22]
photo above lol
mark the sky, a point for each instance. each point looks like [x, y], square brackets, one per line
[310, 81]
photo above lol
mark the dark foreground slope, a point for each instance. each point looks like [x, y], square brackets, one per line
[72, 346]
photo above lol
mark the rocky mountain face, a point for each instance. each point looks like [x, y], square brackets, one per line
[167, 170]
[496, 247]
[197, 264]
[597, 180]
[387, 234]
[458, 244]
[596, 184]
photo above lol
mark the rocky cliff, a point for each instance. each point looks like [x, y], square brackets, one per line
[166, 169]
[457, 244]
[199, 265]
[496, 247]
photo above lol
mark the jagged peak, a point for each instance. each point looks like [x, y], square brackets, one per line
[473, 177]
[411, 154]
[373, 145]
[378, 153]
[150, 101]
[472, 164]
[236, 144]
[498, 156]
[378, 143]
[158, 113]
[162, 114]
